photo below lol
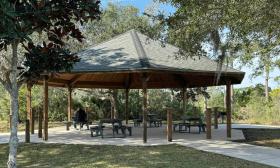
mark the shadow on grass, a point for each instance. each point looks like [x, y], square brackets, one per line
[86, 156]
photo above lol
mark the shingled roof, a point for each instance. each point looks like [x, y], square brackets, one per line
[135, 51]
[121, 62]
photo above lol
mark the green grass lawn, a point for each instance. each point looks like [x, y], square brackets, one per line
[85, 156]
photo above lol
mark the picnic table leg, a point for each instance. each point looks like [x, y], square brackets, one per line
[130, 131]
[123, 129]
[87, 126]
[91, 133]
[101, 132]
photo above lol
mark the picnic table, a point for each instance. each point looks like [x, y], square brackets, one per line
[114, 124]
[187, 123]
[153, 119]
[137, 120]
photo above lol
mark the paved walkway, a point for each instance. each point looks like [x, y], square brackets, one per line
[156, 136]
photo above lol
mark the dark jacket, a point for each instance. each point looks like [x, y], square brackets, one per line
[80, 116]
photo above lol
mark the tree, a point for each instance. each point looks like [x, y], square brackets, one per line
[223, 30]
[266, 53]
[116, 20]
[21, 19]
[221, 26]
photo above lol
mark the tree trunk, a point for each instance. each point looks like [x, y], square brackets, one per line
[266, 82]
[13, 143]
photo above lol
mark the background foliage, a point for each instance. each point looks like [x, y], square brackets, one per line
[250, 104]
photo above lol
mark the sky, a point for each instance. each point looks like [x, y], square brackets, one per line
[168, 9]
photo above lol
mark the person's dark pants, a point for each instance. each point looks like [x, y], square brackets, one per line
[75, 123]
[81, 124]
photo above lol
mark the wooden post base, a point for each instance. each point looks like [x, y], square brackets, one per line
[27, 131]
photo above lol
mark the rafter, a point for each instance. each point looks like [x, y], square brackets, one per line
[74, 80]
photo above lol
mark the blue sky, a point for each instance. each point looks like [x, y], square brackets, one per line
[143, 4]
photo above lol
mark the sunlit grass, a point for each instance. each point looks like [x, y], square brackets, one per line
[86, 156]
[4, 126]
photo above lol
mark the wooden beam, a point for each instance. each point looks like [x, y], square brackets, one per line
[228, 108]
[169, 125]
[56, 80]
[46, 104]
[75, 79]
[69, 107]
[98, 84]
[126, 106]
[127, 81]
[180, 79]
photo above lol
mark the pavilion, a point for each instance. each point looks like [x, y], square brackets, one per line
[134, 61]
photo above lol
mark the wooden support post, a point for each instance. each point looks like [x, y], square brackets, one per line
[228, 108]
[29, 108]
[169, 125]
[126, 106]
[112, 111]
[184, 100]
[27, 131]
[40, 123]
[208, 123]
[215, 110]
[32, 125]
[69, 108]
[144, 84]
[46, 103]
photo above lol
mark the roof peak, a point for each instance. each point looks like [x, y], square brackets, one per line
[143, 58]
